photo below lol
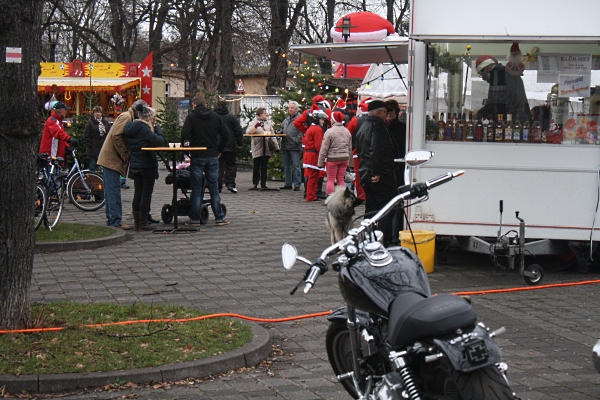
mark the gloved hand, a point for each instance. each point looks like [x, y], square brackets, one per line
[257, 125]
[73, 142]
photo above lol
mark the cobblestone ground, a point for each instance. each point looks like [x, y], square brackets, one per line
[237, 268]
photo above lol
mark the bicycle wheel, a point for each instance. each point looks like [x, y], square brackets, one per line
[55, 203]
[87, 194]
[40, 204]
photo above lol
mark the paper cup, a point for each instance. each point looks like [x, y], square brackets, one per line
[177, 144]
[171, 145]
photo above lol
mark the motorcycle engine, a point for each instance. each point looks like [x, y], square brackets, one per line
[390, 387]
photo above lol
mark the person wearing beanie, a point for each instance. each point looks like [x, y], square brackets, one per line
[336, 149]
[506, 94]
[377, 151]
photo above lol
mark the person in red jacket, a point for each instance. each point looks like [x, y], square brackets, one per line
[54, 137]
[312, 145]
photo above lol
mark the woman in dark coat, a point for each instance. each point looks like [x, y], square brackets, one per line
[143, 167]
[94, 133]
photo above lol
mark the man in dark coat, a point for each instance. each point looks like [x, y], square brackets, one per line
[94, 133]
[204, 128]
[377, 150]
[227, 164]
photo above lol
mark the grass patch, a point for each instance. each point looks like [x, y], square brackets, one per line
[68, 232]
[114, 348]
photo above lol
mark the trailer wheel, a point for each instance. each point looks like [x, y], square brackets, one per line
[538, 271]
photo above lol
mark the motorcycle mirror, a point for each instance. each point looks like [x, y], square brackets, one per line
[288, 255]
[413, 159]
[417, 157]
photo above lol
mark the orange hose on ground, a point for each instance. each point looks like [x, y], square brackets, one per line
[170, 320]
[287, 319]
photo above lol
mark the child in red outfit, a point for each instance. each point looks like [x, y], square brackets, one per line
[312, 145]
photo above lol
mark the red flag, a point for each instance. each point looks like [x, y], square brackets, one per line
[146, 88]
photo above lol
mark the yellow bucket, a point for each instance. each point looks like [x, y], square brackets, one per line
[425, 241]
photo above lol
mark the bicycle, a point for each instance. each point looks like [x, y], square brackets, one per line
[84, 188]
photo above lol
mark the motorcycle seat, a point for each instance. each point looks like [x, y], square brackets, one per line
[413, 316]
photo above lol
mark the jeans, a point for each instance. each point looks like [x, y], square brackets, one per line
[112, 194]
[200, 168]
[92, 166]
[293, 157]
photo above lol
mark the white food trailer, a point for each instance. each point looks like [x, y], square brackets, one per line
[554, 185]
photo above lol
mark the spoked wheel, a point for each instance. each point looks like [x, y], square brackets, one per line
[204, 214]
[339, 351]
[87, 194]
[55, 206]
[538, 272]
[167, 213]
[40, 204]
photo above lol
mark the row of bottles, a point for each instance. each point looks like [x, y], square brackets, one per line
[468, 128]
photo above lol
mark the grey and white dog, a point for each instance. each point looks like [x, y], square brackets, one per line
[340, 210]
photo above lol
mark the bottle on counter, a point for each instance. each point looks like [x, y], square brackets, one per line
[441, 126]
[470, 129]
[479, 130]
[508, 129]
[526, 135]
[499, 129]
[491, 126]
[517, 132]
[536, 131]
[449, 130]
[459, 129]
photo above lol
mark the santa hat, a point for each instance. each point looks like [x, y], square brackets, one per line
[337, 116]
[316, 99]
[340, 103]
[364, 104]
[483, 62]
[366, 27]
[515, 48]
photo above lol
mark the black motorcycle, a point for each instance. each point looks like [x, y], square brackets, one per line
[394, 340]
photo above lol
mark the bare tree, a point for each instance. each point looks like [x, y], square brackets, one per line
[281, 31]
[226, 79]
[19, 142]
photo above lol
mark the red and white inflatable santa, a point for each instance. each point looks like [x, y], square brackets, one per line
[366, 27]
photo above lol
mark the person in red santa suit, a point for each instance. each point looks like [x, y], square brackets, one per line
[312, 146]
[303, 122]
[54, 137]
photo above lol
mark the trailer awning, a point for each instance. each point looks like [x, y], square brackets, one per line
[83, 84]
[359, 53]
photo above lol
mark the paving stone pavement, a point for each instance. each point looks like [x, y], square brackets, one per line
[237, 268]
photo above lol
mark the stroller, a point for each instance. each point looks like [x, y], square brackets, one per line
[184, 204]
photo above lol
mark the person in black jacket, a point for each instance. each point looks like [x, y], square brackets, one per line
[377, 150]
[143, 167]
[227, 164]
[94, 133]
[397, 129]
[204, 128]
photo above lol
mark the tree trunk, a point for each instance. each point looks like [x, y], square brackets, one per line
[20, 26]
[279, 39]
[227, 78]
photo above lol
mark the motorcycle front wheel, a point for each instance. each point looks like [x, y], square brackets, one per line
[339, 351]
[485, 383]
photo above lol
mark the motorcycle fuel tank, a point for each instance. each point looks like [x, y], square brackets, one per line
[372, 288]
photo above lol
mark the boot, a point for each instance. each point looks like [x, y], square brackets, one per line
[144, 224]
[136, 221]
[320, 194]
